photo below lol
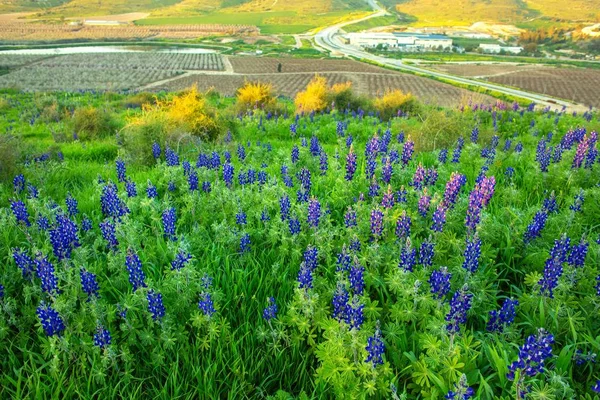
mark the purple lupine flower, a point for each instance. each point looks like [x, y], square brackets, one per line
[387, 200]
[284, 207]
[475, 134]
[453, 186]
[431, 176]
[228, 171]
[486, 187]
[401, 195]
[350, 218]
[553, 270]
[130, 188]
[71, 203]
[245, 243]
[532, 356]
[503, 318]
[474, 210]
[120, 166]
[376, 223]
[440, 282]
[169, 219]
[20, 212]
[295, 154]
[424, 202]
[534, 229]
[50, 319]
[472, 254]
[181, 259]
[241, 152]
[407, 152]
[374, 188]
[102, 338]
[193, 181]
[427, 252]
[323, 163]
[109, 233]
[419, 177]
[294, 225]
[270, 312]
[315, 146]
[24, 262]
[355, 244]
[155, 305]
[356, 278]
[45, 271]
[375, 348]
[314, 212]
[64, 237]
[582, 149]
[137, 278]
[171, 157]
[408, 257]
[577, 203]
[89, 284]
[459, 306]
[304, 178]
[386, 171]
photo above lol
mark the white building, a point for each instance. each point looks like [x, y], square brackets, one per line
[496, 48]
[400, 41]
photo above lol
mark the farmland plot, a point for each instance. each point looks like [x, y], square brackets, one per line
[255, 65]
[16, 60]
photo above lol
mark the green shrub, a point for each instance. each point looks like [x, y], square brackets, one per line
[440, 128]
[10, 154]
[92, 123]
[139, 134]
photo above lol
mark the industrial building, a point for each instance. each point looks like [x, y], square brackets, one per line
[402, 41]
[496, 48]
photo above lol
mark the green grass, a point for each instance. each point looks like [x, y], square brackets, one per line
[218, 18]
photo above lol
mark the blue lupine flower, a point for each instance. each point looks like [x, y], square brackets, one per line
[1, 291]
[109, 233]
[376, 223]
[64, 237]
[295, 154]
[264, 216]
[532, 355]
[71, 203]
[315, 146]
[156, 150]
[387, 170]
[472, 254]
[120, 166]
[343, 261]
[578, 254]
[407, 151]
[130, 188]
[403, 227]
[461, 391]
[534, 229]
[171, 157]
[350, 218]
[193, 181]
[50, 320]
[350, 164]
[170, 187]
[458, 150]
[102, 338]
[240, 218]
[439, 219]
[443, 156]
[181, 259]
[340, 302]
[503, 318]
[284, 207]
[187, 168]
[426, 253]
[169, 219]
[354, 314]
[270, 311]
[137, 278]
[314, 212]
[20, 212]
[89, 284]
[112, 206]
[311, 257]
[294, 225]
[440, 282]
[86, 224]
[245, 243]
[375, 348]
[19, 183]
[459, 306]
[24, 262]
[206, 304]
[305, 277]
[155, 305]
[356, 278]
[43, 223]
[553, 270]
[241, 152]
[408, 257]
[475, 134]
[206, 187]
[228, 171]
[323, 162]
[577, 203]
[32, 191]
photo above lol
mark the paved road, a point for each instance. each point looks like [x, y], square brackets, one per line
[328, 39]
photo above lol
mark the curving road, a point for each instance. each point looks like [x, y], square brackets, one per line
[328, 39]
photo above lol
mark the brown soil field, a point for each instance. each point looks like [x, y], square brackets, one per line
[576, 84]
[263, 65]
[480, 70]
[289, 84]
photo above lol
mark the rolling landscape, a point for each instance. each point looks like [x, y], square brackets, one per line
[265, 199]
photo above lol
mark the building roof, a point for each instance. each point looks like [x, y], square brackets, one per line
[422, 35]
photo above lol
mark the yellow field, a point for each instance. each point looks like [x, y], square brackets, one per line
[573, 10]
